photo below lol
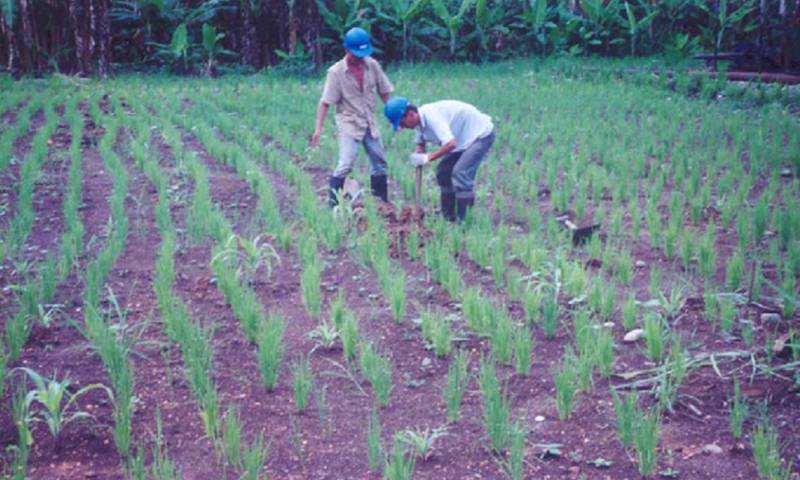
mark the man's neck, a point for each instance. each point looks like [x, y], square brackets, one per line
[353, 62]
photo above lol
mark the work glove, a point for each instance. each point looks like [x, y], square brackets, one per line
[419, 159]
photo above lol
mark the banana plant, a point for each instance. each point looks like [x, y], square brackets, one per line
[636, 26]
[52, 395]
[490, 19]
[600, 23]
[177, 51]
[452, 21]
[400, 14]
[212, 47]
[538, 18]
[721, 19]
[344, 15]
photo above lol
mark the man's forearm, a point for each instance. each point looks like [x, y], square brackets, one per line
[443, 150]
[322, 112]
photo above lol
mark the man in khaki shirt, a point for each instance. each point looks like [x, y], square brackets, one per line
[352, 84]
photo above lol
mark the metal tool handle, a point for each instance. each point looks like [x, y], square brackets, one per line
[418, 186]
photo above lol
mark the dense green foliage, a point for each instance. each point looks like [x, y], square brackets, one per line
[200, 36]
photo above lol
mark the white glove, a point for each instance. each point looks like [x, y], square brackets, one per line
[419, 159]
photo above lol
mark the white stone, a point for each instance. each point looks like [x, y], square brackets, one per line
[713, 449]
[633, 335]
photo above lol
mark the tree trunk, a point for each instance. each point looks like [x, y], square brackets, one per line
[27, 50]
[251, 51]
[103, 33]
[82, 58]
[8, 32]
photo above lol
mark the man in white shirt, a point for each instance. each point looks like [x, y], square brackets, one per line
[464, 136]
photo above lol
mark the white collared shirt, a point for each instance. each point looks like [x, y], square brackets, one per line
[445, 120]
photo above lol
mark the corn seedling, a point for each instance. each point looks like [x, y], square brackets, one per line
[303, 382]
[270, 350]
[420, 441]
[496, 406]
[324, 336]
[412, 244]
[60, 407]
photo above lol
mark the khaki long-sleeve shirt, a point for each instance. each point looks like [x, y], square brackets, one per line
[355, 107]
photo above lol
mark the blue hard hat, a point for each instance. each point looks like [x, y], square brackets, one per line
[394, 110]
[357, 42]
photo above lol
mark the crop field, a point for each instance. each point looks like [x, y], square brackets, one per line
[179, 302]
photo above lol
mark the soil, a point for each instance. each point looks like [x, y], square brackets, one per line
[328, 441]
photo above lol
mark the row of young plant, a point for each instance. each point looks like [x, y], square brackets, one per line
[107, 341]
[33, 296]
[30, 172]
[193, 339]
[22, 126]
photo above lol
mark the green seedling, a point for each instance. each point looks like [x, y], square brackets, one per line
[496, 406]
[645, 438]
[377, 370]
[420, 441]
[270, 350]
[565, 379]
[374, 448]
[739, 410]
[59, 403]
[232, 437]
[455, 384]
[303, 382]
[766, 453]
[626, 411]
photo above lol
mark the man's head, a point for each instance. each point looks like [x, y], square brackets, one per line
[357, 43]
[401, 113]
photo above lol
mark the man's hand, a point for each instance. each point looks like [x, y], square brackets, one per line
[419, 159]
[315, 139]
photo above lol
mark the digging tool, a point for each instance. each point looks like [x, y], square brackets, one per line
[580, 235]
[418, 188]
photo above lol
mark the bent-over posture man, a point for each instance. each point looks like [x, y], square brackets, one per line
[352, 84]
[464, 136]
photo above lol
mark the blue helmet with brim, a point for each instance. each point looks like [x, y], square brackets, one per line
[394, 110]
[357, 42]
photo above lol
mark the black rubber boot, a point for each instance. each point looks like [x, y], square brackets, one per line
[380, 187]
[336, 184]
[448, 200]
[463, 205]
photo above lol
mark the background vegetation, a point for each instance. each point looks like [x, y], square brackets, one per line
[190, 36]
